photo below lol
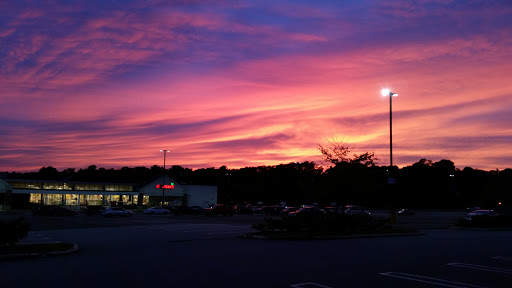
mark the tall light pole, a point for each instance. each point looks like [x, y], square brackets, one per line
[391, 180]
[387, 92]
[163, 178]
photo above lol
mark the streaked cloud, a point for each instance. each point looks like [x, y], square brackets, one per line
[242, 83]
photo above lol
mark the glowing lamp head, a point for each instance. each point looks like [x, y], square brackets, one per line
[387, 92]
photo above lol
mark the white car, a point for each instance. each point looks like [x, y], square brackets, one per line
[156, 210]
[116, 211]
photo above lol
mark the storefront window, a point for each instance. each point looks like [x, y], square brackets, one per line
[35, 198]
[71, 199]
[53, 199]
[92, 200]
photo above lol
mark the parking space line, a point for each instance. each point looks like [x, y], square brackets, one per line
[502, 258]
[309, 284]
[428, 280]
[480, 267]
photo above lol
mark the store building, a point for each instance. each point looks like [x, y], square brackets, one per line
[22, 194]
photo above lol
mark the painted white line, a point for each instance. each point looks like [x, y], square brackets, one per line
[309, 284]
[502, 258]
[480, 267]
[428, 280]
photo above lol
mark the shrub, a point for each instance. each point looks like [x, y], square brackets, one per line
[13, 230]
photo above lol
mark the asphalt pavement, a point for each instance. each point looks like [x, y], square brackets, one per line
[183, 254]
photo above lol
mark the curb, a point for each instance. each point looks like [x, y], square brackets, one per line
[74, 249]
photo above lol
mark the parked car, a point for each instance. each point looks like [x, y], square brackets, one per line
[481, 213]
[195, 210]
[270, 210]
[156, 210]
[310, 211]
[286, 210]
[243, 209]
[255, 209]
[117, 211]
[173, 209]
[331, 210]
[260, 209]
[219, 209]
[59, 211]
[356, 210]
[405, 212]
[471, 209]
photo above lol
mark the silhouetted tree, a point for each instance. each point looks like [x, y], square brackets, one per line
[48, 173]
[68, 174]
[335, 152]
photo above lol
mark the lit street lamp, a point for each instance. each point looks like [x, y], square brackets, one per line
[163, 178]
[387, 92]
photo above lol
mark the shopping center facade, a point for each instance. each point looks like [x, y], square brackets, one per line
[22, 193]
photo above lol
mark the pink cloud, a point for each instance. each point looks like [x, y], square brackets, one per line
[132, 84]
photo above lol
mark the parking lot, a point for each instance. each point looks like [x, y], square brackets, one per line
[423, 219]
[199, 251]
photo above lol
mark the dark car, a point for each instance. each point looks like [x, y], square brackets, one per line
[189, 210]
[219, 209]
[286, 210]
[175, 210]
[270, 210]
[331, 210]
[311, 211]
[244, 209]
[59, 211]
[196, 210]
[304, 217]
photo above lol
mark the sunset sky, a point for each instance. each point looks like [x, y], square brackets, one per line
[250, 83]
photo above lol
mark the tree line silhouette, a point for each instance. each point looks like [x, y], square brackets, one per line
[424, 184]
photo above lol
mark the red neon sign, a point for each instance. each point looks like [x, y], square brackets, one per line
[165, 186]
